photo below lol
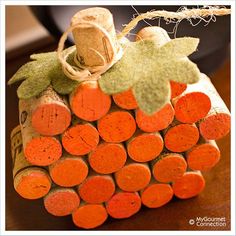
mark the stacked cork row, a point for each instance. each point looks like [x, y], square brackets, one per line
[92, 155]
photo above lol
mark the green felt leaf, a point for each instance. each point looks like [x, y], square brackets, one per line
[22, 73]
[151, 93]
[32, 87]
[61, 83]
[123, 75]
[147, 68]
[43, 56]
[32, 67]
[40, 62]
[178, 48]
[182, 70]
[39, 73]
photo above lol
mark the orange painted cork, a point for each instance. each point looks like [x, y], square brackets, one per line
[217, 122]
[189, 185]
[39, 150]
[169, 167]
[177, 88]
[80, 139]
[68, 171]
[117, 126]
[133, 177]
[50, 113]
[156, 195]
[125, 100]
[180, 137]
[88, 102]
[107, 158]
[193, 104]
[32, 183]
[123, 205]
[89, 216]
[159, 121]
[144, 147]
[97, 188]
[29, 182]
[203, 156]
[61, 201]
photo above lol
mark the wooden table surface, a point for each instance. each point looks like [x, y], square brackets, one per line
[214, 201]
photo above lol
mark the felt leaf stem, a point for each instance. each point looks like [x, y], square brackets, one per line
[147, 70]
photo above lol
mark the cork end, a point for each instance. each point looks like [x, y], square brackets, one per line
[97, 15]
[94, 36]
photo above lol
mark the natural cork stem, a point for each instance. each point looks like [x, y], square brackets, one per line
[91, 44]
[50, 114]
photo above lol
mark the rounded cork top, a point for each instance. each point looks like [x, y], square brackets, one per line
[98, 15]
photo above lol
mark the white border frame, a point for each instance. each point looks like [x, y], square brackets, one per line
[2, 115]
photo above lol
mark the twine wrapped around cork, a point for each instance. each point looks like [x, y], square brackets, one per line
[96, 44]
[91, 43]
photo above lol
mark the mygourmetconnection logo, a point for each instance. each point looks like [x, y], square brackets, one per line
[208, 221]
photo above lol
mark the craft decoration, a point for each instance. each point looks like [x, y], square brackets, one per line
[143, 148]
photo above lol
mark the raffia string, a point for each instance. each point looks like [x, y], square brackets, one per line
[93, 73]
[184, 14]
[83, 73]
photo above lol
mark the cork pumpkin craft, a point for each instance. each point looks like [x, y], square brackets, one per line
[109, 125]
